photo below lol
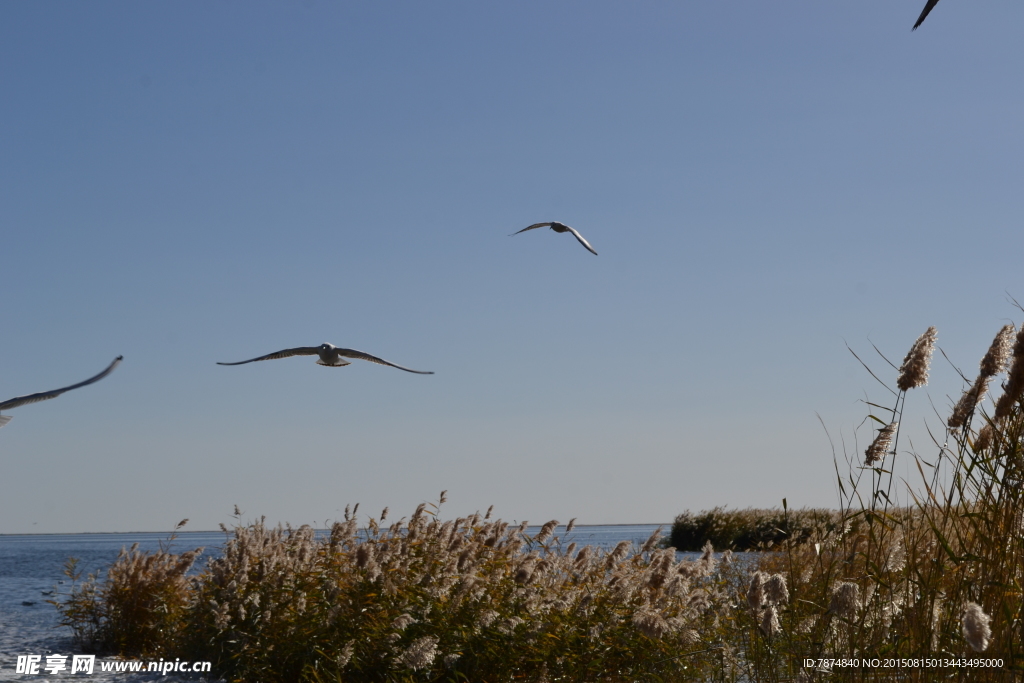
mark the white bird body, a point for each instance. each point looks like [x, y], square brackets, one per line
[46, 395]
[331, 356]
[560, 227]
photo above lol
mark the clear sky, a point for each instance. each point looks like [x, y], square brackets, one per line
[192, 182]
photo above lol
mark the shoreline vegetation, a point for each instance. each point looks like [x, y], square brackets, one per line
[928, 574]
[179, 534]
[752, 529]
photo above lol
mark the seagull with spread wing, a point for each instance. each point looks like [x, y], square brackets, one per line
[330, 356]
[924, 13]
[45, 395]
[560, 227]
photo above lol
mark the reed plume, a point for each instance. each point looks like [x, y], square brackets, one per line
[880, 446]
[985, 439]
[975, 625]
[1014, 386]
[775, 591]
[997, 358]
[914, 370]
[845, 600]
[755, 590]
[420, 654]
[651, 623]
[545, 532]
[992, 363]
[968, 403]
[770, 621]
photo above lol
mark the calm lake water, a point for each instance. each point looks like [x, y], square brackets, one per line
[32, 566]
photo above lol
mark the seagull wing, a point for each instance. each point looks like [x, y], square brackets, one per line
[924, 13]
[287, 353]
[44, 395]
[535, 225]
[352, 353]
[582, 241]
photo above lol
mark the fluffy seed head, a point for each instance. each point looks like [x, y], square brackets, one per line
[545, 531]
[364, 555]
[986, 435]
[1014, 387]
[998, 356]
[755, 591]
[880, 446]
[965, 407]
[976, 627]
[770, 621]
[775, 591]
[525, 571]
[402, 622]
[618, 553]
[707, 559]
[650, 622]
[509, 626]
[346, 654]
[845, 600]
[914, 371]
[651, 542]
[583, 557]
[486, 618]
[897, 558]
[420, 654]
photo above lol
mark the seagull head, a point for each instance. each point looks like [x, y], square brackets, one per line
[326, 347]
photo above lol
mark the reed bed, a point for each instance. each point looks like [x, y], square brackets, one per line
[939, 580]
[936, 579]
[751, 529]
[469, 599]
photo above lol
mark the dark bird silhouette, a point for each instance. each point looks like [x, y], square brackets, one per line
[46, 395]
[560, 227]
[330, 356]
[924, 13]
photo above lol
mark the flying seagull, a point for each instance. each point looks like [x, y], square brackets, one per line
[924, 13]
[35, 398]
[330, 355]
[560, 227]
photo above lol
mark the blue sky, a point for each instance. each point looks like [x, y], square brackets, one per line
[185, 183]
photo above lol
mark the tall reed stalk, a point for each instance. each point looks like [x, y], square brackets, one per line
[933, 581]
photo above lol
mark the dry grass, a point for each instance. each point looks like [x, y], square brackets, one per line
[475, 599]
[940, 579]
[468, 599]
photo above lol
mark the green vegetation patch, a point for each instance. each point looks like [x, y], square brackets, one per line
[752, 528]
